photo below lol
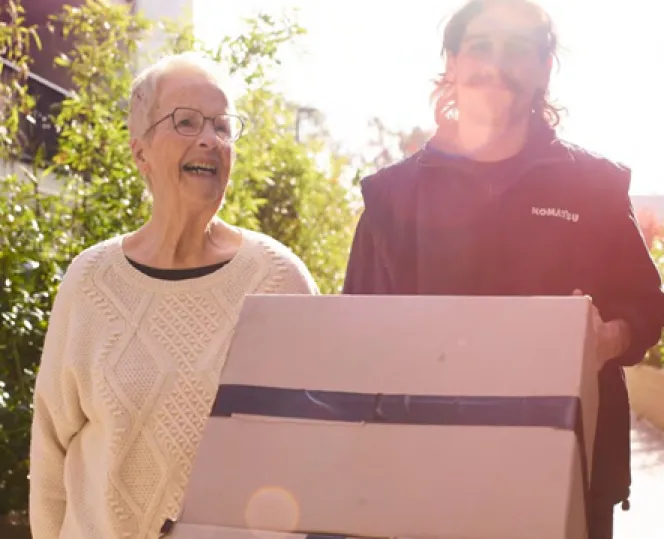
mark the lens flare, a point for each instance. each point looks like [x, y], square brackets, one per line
[272, 508]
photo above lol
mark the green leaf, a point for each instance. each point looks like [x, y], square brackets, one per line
[278, 185]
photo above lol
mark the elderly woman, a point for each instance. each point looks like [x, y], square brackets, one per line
[142, 322]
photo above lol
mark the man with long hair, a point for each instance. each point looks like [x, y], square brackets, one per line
[495, 203]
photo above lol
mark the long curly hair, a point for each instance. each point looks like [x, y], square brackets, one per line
[443, 94]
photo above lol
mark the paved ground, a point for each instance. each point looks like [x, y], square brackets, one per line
[645, 519]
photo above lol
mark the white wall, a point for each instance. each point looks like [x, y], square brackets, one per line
[166, 8]
[178, 10]
[48, 184]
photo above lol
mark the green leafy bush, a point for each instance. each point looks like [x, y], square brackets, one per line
[277, 185]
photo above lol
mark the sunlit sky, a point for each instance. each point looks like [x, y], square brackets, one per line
[364, 58]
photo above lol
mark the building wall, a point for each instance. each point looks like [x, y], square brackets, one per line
[172, 9]
[37, 12]
[178, 10]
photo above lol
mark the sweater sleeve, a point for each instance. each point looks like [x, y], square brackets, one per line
[298, 279]
[288, 273]
[57, 417]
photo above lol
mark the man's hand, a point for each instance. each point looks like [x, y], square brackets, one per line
[612, 338]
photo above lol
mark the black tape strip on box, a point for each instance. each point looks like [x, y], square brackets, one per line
[556, 412]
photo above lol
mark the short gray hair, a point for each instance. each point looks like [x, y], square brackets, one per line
[144, 88]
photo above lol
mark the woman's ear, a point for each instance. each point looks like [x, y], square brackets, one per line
[138, 153]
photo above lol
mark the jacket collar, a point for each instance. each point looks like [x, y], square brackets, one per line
[542, 147]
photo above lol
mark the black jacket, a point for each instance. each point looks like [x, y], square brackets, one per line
[562, 221]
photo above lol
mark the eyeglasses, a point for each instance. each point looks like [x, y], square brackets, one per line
[190, 123]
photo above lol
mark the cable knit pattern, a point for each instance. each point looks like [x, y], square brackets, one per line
[127, 379]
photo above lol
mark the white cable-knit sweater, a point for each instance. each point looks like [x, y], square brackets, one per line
[128, 375]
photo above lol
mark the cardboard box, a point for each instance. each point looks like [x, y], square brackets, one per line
[436, 417]
[214, 532]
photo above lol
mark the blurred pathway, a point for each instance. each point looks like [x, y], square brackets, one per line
[645, 519]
